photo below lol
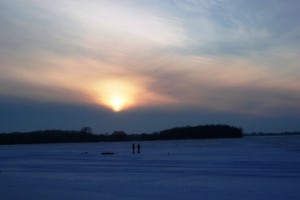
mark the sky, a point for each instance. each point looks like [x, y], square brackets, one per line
[144, 66]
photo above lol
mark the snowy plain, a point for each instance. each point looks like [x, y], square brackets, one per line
[246, 168]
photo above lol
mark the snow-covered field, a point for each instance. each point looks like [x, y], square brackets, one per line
[241, 169]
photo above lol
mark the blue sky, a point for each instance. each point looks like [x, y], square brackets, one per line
[143, 66]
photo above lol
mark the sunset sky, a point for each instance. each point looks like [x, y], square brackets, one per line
[144, 66]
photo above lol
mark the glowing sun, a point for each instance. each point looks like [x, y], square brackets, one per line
[116, 94]
[117, 103]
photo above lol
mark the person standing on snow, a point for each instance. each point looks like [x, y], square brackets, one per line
[133, 147]
[138, 148]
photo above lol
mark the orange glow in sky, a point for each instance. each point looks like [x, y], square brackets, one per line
[116, 94]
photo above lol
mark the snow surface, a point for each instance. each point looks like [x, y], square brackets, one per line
[246, 168]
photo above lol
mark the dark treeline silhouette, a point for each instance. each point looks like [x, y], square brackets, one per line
[197, 132]
[47, 136]
[86, 135]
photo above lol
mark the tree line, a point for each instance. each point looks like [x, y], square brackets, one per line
[86, 135]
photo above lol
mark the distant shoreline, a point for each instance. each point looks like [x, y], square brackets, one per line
[272, 134]
[86, 135]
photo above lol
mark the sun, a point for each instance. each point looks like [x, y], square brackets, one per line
[116, 94]
[123, 94]
[117, 103]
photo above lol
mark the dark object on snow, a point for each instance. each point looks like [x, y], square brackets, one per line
[107, 153]
[138, 148]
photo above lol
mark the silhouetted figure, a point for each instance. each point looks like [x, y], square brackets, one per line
[133, 148]
[138, 148]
